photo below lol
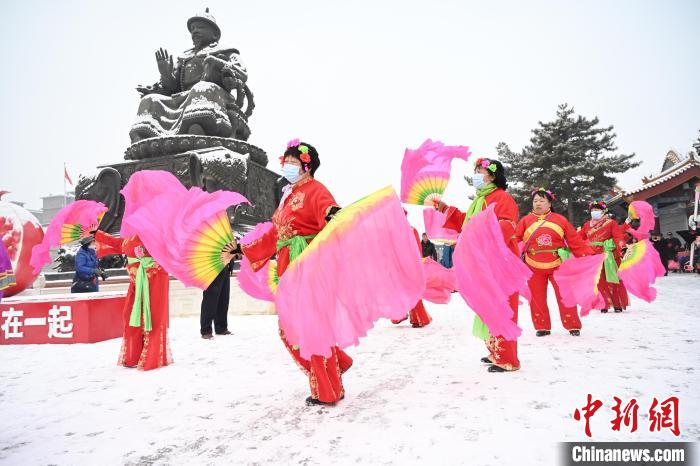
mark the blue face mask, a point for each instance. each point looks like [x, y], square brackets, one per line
[291, 172]
[596, 214]
[478, 180]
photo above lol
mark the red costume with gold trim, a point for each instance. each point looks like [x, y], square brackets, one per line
[503, 353]
[302, 212]
[615, 294]
[140, 348]
[543, 235]
[418, 316]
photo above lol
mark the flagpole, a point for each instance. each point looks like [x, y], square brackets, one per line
[65, 193]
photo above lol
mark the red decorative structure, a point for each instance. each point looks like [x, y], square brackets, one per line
[20, 231]
[61, 319]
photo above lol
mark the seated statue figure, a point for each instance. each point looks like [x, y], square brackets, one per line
[194, 95]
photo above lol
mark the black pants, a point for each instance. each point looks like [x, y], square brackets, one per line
[215, 304]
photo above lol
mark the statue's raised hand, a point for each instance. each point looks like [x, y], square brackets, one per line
[165, 62]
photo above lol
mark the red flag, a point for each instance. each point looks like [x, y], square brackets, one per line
[66, 176]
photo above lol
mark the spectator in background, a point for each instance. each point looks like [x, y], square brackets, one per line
[428, 248]
[215, 300]
[87, 268]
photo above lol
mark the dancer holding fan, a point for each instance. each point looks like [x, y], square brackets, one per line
[606, 237]
[146, 318]
[490, 183]
[304, 210]
[548, 237]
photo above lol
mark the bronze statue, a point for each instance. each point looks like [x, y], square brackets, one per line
[202, 93]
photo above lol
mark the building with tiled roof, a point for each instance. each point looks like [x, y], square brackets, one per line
[671, 192]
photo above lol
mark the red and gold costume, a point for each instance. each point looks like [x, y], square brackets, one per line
[543, 235]
[140, 348]
[597, 232]
[502, 353]
[418, 316]
[301, 215]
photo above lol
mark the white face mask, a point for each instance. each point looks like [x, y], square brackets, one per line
[291, 172]
[478, 180]
[596, 214]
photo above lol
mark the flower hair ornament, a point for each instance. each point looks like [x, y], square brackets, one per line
[303, 150]
[544, 191]
[487, 164]
[597, 205]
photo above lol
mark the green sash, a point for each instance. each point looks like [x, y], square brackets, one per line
[609, 264]
[142, 300]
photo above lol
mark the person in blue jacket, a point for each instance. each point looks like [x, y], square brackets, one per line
[87, 268]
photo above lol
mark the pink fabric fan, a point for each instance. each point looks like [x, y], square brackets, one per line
[261, 284]
[643, 211]
[434, 220]
[439, 282]
[256, 233]
[142, 187]
[425, 171]
[185, 232]
[488, 273]
[640, 268]
[578, 278]
[79, 213]
[349, 282]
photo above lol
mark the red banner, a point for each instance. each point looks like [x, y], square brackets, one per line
[77, 318]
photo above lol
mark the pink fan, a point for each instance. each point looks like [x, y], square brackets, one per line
[578, 278]
[261, 284]
[643, 211]
[342, 283]
[425, 171]
[488, 273]
[439, 282]
[186, 231]
[69, 224]
[640, 268]
[434, 221]
[142, 187]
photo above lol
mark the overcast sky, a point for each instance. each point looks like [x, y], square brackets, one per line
[360, 80]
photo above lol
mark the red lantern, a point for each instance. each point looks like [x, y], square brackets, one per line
[20, 231]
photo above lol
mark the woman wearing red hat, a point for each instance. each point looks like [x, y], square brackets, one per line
[606, 237]
[548, 237]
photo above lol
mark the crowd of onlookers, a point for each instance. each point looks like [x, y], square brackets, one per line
[675, 256]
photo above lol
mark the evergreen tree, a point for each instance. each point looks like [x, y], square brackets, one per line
[573, 157]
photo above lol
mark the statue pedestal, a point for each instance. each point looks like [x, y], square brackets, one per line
[233, 165]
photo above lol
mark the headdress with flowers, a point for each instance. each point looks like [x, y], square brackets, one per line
[304, 156]
[487, 164]
[543, 191]
[597, 204]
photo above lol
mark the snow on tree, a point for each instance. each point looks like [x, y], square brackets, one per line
[572, 156]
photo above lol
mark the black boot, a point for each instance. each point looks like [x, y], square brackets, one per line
[575, 333]
[314, 402]
[486, 360]
[496, 368]
[604, 311]
[617, 309]
[542, 333]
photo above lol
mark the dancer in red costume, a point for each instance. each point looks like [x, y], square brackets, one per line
[418, 316]
[606, 237]
[146, 318]
[548, 237]
[304, 210]
[490, 183]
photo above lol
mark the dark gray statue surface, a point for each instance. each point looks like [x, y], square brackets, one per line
[194, 123]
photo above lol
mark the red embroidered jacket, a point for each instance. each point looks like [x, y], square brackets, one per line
[302, 212]
[506, 211]
[551, 231]
[604, 229]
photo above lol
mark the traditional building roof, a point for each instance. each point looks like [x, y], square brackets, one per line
[676, 170]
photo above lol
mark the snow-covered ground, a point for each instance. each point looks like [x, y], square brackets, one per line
[413, 396]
